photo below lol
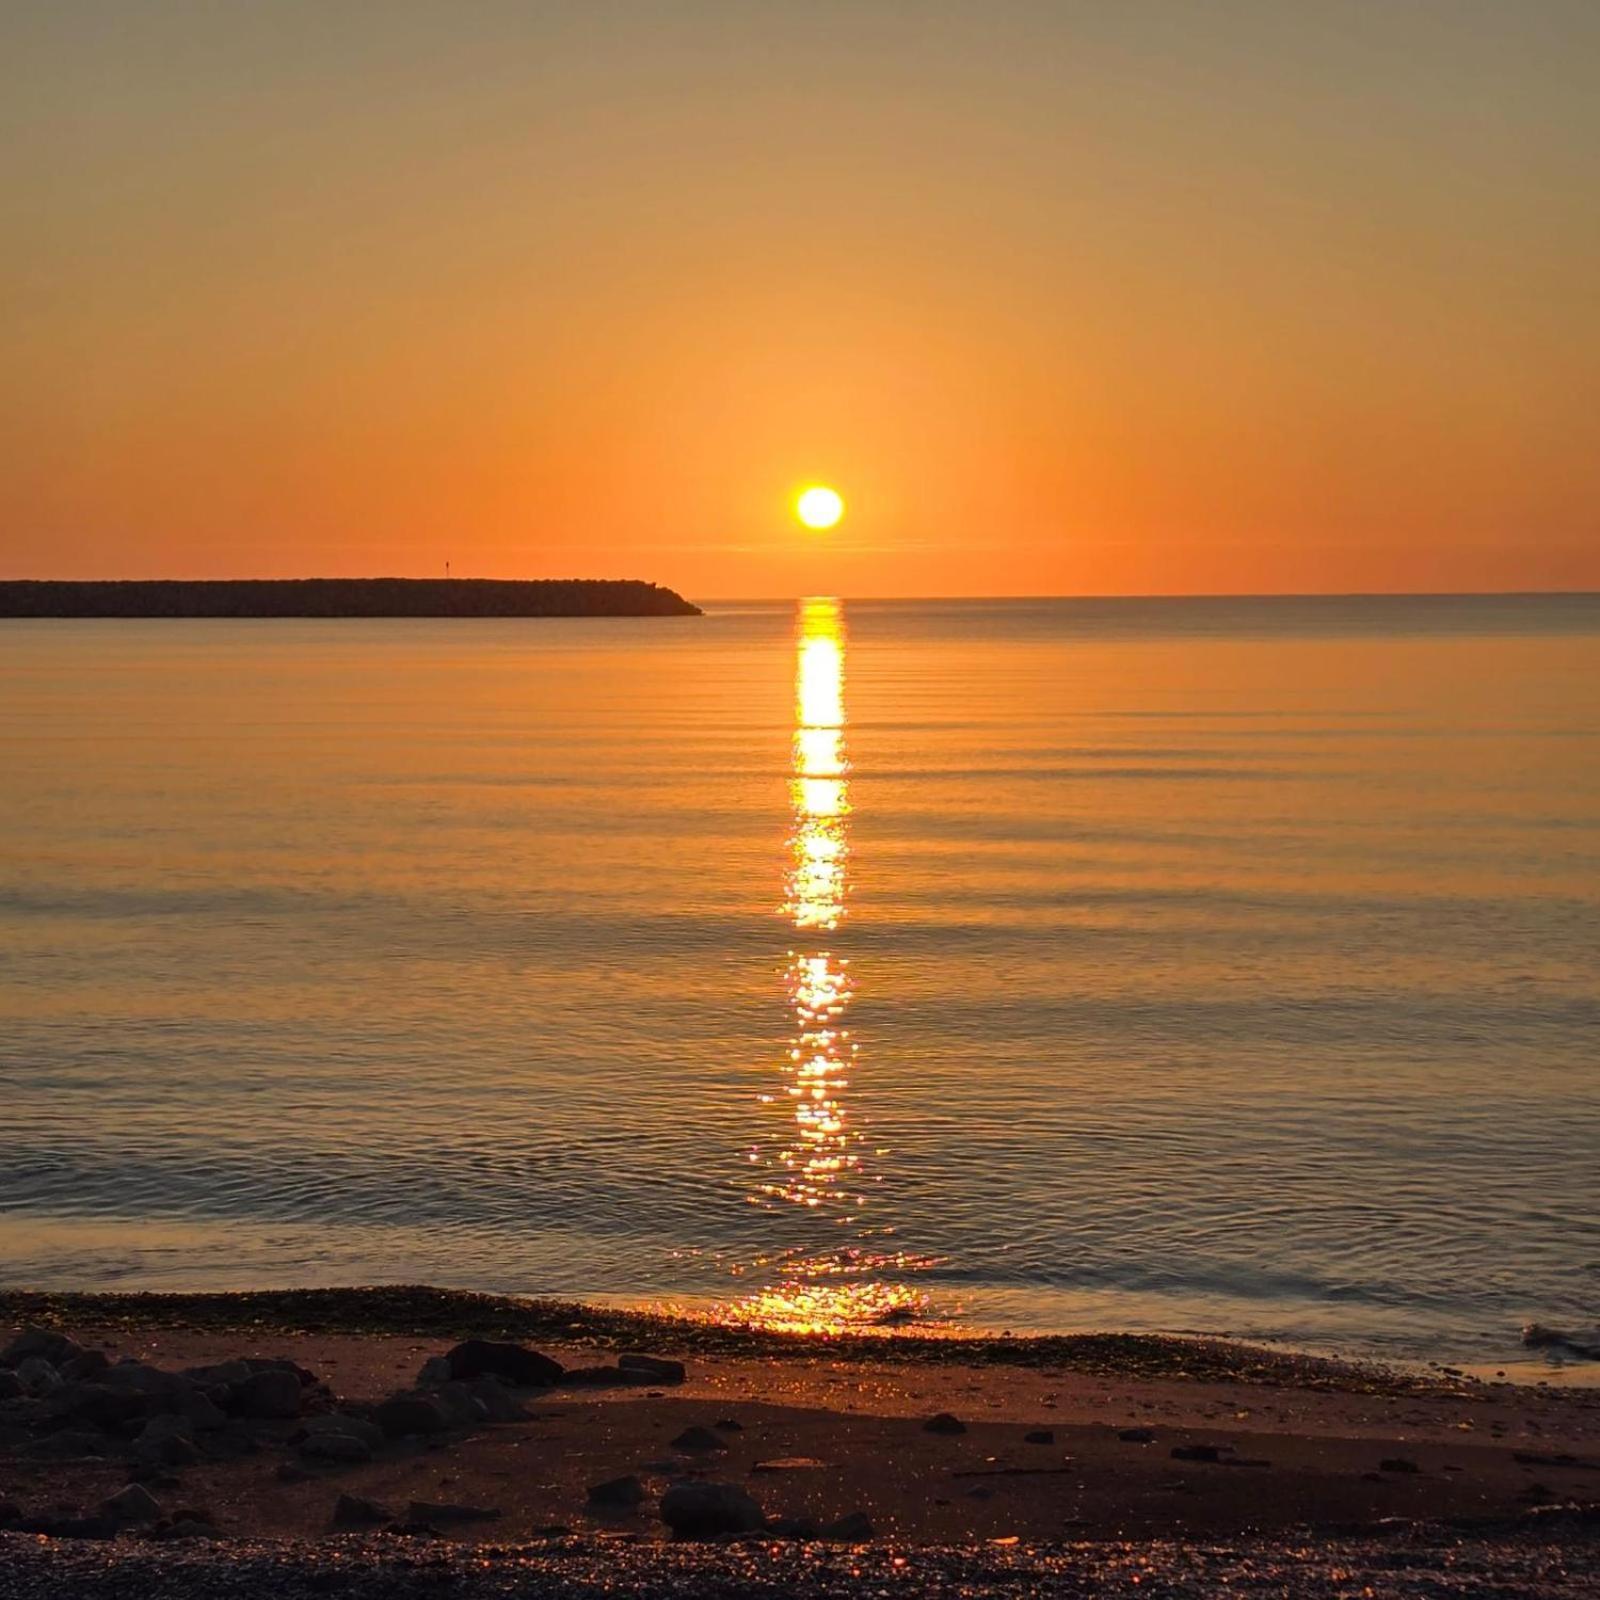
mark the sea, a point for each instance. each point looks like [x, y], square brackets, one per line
[1205, 965]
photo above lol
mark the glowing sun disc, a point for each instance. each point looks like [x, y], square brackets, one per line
[819, 506]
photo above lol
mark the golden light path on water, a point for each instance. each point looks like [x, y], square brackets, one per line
[818, 1165]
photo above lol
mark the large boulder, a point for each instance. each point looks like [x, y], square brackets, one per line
[165, 1441]
[404, 1414]
[38, 1377]
[56, 1348]
[705, 1510]
[464, 1407]
[272, 1393]
[528, 1369]
[99, 1405]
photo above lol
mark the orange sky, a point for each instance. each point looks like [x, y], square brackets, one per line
[1116, 297]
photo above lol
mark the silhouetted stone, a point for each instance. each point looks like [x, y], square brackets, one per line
[165, 1440]
[855, 1528]
[943, 1422]
[617, 1493]
[56, 1348]
[351, 1511]
[38, 1377]
[404, 1414]
[697, 1438]
[345, 1449]
[1398, 1464]
[660, 1369]
[341, 1422]
[705, 1510]
[271, 1394]
[528, 1369]
[1196, 1452]
[10, 1384]
[431, 1511]
[130, 1506]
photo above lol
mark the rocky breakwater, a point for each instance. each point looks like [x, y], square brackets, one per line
[64, 1403]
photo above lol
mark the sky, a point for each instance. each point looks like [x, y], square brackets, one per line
[1221, 296]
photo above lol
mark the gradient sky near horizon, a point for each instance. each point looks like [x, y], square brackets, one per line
[1137, 296]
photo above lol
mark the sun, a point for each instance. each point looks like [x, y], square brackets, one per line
[819, 506]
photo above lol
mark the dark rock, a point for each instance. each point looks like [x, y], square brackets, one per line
[183, 1527]
[341, 1422]
[404, 1414]
[856, 1528]
[498, 1401]
[38, 1377]
[1196, 1452]
[130, 1506]
[291, 1472]
[943, 1422]
[153, 1477]
[351, 1511]
[1398, 1464]
[600, 1378]
[697, 1438]
[463, 1407]
[1137, 1436]
[1039, 1436]
[528, 1369]
[435, 1370]
[10, 1384]
[165, 1440]
[68, 1445]
[617, 1492]
[85, 1365]
[70, 1527]
[99, 1404]
[443, 1511]
[56, 1348]
[659, 1369]
[728, 1425]
[270, 1394]
[704, 1510]
[794, 1528]
[344, 1448]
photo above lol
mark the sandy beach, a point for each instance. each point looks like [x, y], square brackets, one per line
[1105, 1445]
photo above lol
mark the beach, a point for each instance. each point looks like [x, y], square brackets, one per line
[1082, 1456]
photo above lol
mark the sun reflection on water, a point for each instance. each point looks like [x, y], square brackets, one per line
[817, 1163]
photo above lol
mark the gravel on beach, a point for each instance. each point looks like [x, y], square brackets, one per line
[1414, 1564]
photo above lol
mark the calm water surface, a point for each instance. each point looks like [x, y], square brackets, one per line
[1163, 964]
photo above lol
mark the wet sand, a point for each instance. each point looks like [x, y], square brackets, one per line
[1224, 1443]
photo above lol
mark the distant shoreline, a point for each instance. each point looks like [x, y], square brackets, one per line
[341, 597]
